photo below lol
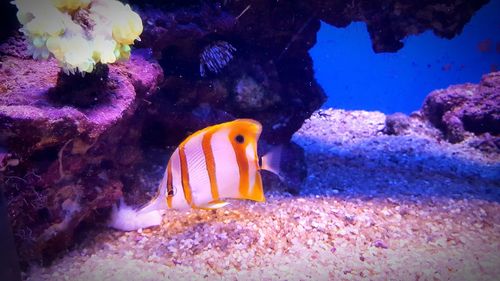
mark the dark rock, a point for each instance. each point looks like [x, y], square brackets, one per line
[462, 111]
[15, 46]
[8, 20]
[293, 167]
[455, 131]
[82, 91]
[170, 28]
[487, 144]
[9, 262]
[390, 21]
[396, 124]
[272, 83]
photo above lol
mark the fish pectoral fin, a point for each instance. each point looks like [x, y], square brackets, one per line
[216, 204]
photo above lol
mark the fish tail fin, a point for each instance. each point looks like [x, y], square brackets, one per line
[271, 161]
[126, 218]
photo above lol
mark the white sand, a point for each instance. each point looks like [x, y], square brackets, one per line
[373, 207]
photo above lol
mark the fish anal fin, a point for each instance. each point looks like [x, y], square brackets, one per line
[215, 204]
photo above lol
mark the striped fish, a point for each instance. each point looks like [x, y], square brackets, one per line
[212, 164]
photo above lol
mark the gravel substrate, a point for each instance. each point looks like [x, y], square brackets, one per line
[373, 207]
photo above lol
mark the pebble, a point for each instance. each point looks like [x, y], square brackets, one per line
[259, 241]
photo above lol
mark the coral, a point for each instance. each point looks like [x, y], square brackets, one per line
[59, 156]
[464, 111]
[396, 124]
[79, 33]
[215, 56]
[251, 95]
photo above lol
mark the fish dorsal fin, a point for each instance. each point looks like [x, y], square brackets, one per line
[216, 204]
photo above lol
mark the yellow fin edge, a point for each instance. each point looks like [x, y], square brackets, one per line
[213, 205]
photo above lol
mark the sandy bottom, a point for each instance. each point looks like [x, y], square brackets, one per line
[373, 207]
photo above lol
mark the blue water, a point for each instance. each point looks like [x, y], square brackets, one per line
[354, 77]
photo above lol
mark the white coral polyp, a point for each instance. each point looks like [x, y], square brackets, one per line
[78, 54]
[127, 26]
[74, 52]
[71, 5]
[104, 49]
[52, 31]
[41, 26]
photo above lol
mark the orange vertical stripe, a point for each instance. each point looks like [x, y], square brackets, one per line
[257, 190]
[241, 159]
[210, 163]
[256, 157]
[170, 187]
[185, 175]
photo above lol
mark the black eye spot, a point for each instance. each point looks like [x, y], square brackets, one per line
[171, 191]
[239, 139]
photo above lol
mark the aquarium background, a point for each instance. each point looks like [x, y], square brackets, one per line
[359, 193]
[355, 77]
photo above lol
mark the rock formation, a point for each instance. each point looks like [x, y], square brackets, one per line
[468, 111]
[63, 143]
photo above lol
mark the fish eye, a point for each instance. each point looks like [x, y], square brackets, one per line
[171, 192]
[239, 139]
